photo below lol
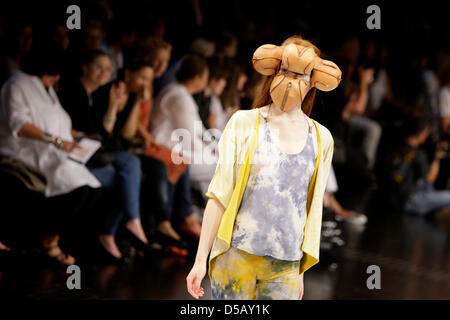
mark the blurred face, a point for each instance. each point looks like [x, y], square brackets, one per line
[128, 39]
[371, 50]
[231, 50]
[25, 39]
[62, 37]
[201, 81]
[93, 39]
[241, 81]
[351, 49]
[49, 80]
[141, 78]
[99, 70]
[217, 85]
[161, 62]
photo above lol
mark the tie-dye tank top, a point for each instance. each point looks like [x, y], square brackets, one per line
[272, 214]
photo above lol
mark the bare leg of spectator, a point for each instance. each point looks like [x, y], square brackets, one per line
[109, 243]
[372, 134]
[166, 228]
[3, 247]
[50, 244]
[135, 226]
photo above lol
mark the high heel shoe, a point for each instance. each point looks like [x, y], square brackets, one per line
[168, 240]
[152, 247]
[183, 227]
[104, 256]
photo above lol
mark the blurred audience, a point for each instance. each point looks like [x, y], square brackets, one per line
[175, 108]
[38, 132]
[117, 82]
[412, 175]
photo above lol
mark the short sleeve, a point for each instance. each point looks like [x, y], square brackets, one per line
[224, 180]
[444, 102]
[332, 185]
[327, 159]
[16, 108]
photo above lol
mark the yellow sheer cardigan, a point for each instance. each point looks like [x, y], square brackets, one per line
[236, 147]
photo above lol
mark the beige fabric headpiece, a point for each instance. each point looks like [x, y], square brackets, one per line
[297, 69]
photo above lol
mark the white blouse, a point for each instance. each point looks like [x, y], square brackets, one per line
[444, 102]
[25, 99]
[175, 109]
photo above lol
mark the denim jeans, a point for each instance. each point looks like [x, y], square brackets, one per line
[372, 133]
[167, 200]
[124, 177]
[426, 199]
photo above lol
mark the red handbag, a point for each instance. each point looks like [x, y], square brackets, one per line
[166, 155]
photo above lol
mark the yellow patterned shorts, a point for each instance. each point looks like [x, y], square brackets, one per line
[239, 275]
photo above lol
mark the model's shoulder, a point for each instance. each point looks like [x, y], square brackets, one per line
[325, 134]
[243, 117]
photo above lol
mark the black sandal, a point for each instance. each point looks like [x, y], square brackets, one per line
[169, 241]
[57, 260]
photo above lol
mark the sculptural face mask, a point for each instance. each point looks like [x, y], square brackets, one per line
[297, 69]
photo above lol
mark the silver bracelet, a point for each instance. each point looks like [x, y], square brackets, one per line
[58, 142]
[47, 137]
[109, 120]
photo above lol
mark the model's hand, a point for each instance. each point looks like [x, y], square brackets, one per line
[300, 295]
[194, 280]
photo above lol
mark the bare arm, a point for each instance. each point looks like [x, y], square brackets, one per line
[116, 97]
[210, 225]
[144, 134]
[358, 100]
[445, 124]
[433, 172]
[30, 131]
[132, 127]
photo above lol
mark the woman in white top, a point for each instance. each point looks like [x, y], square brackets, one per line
[176, 122]
[36, 130]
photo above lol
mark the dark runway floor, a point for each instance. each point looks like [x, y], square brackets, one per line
[413, 255]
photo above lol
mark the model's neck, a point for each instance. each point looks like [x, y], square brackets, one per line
[293, 114]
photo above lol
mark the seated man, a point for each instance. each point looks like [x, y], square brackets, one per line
[412, 176]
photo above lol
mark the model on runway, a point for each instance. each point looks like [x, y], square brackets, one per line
[263, 219]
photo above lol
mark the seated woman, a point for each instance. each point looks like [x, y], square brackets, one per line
[36, 130]
[210, 107]
[108, 116]
[166, 184]
[176, 114]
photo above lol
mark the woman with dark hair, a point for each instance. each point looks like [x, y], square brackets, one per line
[36, 130]
[109, 112]
[265, 211]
